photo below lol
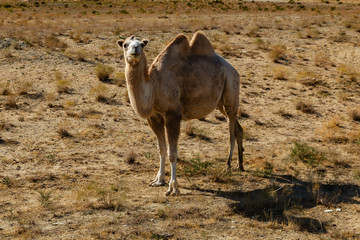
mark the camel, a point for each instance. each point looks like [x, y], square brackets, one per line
[187, 80]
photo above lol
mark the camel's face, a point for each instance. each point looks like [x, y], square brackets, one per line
[133, 48]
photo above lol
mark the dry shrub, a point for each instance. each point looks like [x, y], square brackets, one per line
[5, 88]
[22, 87]
[277, 53]
[11, 101]
[355, 114]
[102, 196]
[280, 72]
[77, 55]
[130, 157]
[253, 31]
[341, 36]
[305, 107]
[103, 72]
[120, 79]
[307, 78]
[100, 92]
[62, 85]
[261, 44]
[351, 73]
[322, 59]
[63, 132]
[54, 43]
[306, 154]
[331, 131]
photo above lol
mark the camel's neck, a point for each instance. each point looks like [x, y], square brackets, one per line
[140, 88]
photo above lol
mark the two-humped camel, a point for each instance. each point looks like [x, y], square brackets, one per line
[186, 81]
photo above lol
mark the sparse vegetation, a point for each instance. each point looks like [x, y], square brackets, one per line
[62, 85]
[104, 196]
[306, 154]
[68, 151]
[305, 107]
[100, 92]
[277, 53]
[103, 72]
[355, 114]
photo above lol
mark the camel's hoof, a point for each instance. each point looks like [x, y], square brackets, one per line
[172, 193]
[241, 169]
[157, 183]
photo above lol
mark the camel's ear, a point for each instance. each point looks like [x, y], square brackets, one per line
[144, 42]
[120, 42]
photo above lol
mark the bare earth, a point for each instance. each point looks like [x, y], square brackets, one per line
[76, 161]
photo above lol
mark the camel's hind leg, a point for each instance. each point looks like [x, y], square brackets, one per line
[235, 131]
[239, 139]
[232, 124]
[157, 125]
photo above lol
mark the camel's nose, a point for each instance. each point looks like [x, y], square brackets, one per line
[133, 51]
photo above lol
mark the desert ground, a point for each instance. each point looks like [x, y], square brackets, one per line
[76, 161]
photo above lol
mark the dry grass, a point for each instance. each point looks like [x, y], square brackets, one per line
[355, 114]
[277, 53]
[103, 72]
[62, 85]
[100, 92]
[75, 185]
[11, 101]
[331, 131]
[280, 72]
[305, 107]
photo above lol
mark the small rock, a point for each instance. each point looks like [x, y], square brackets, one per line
[328, 210]
[338, 209]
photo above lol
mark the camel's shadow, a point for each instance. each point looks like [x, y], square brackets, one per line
[281, 202]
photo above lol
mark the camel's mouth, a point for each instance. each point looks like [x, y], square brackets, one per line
[133, 57]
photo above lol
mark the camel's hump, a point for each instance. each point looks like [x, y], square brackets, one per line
[200, 45]
[179, 46]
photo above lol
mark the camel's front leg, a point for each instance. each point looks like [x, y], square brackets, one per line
[157, 125]
[172, 123]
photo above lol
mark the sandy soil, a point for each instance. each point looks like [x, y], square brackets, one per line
[75, 160]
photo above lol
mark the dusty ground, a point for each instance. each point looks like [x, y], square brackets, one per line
[75, 160]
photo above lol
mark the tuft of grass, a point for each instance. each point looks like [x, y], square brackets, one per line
[357, 175]
[307, 78]
[45, 198]
[322, 59]
[355, 114]
[11, 101]
[120, 79]
[102, 196]
[261, 44]
[130, 157]
[78, 55]
[5, 88]
[7, 182]
[62, 85]
[280, 72]
[277, 53]
[331, 131]
[305, 107]
[54, 43]
[22, 87]
[100, 92]
[194, 132]
[267, 171]
[103, 72]
[306, 154]
[63, 132]
[195, 167]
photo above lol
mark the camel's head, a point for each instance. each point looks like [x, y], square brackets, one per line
[133, 48]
